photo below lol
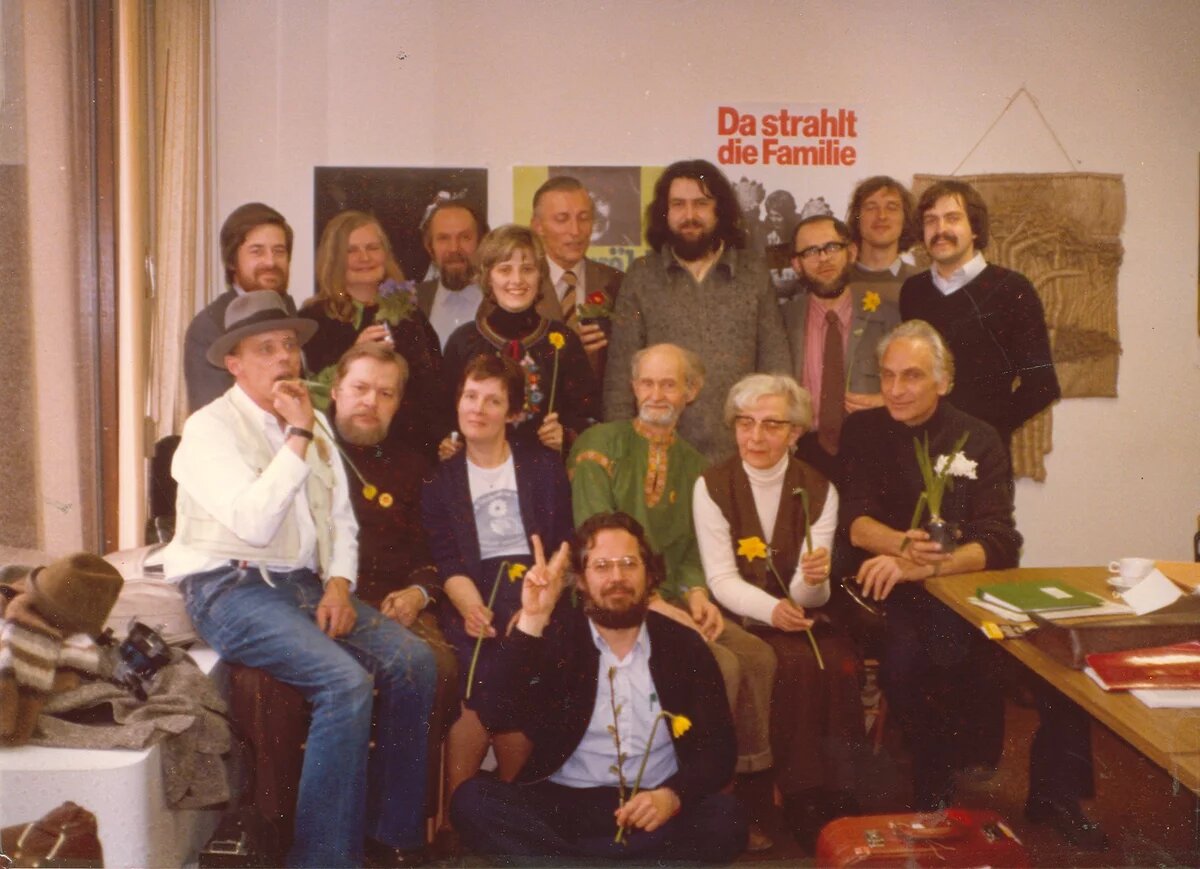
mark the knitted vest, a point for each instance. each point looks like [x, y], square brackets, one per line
[729, 487]
[196, 528]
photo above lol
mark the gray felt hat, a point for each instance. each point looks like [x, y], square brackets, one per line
[252, 313]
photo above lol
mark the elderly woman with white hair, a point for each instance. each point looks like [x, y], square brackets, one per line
[769, 565]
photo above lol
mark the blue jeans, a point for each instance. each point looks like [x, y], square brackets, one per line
[342, 798]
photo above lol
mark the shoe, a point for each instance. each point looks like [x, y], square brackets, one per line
[1068, 818]
[758, 840]
[806, 813]
[377, 854]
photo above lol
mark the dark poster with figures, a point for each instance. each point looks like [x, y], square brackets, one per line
[399, 199]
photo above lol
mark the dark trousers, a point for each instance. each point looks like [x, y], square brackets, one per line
[817, 731]
[938, 675]
[944, 685]
[552, 825]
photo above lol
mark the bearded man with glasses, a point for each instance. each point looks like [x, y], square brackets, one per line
[593, 686]
[832, 328]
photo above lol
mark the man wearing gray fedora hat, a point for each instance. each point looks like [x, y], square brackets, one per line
[265, 552]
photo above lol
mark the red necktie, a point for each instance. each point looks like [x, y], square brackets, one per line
[833, 386]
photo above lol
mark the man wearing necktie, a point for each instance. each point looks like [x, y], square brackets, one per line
[562, 218]
[833, 329]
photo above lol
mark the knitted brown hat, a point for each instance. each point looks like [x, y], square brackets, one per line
[76, 593]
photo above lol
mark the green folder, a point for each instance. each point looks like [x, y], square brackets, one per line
[1038, 596]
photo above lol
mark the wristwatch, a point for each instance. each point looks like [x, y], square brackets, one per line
[296, 430]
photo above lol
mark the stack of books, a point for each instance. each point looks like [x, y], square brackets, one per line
[1158, 676]
[1037, 596]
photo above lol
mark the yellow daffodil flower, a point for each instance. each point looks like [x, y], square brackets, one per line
[557, 340]
[369, 492]
[515, 572]
[385, 500]
[871, 301]
[680, 724]
[751, 548]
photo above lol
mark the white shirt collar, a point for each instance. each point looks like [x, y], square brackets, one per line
[556, 273]
[961, 276]
[246, 404]
[640, 646]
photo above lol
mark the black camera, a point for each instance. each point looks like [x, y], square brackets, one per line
[143, 653]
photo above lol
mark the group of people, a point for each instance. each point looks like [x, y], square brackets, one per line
[629, 612]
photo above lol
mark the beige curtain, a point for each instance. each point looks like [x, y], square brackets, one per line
[182, 199]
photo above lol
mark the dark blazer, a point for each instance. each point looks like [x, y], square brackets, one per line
[204, 381]
[554, 679]
[543, 493]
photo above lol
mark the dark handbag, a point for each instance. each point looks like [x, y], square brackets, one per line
[65, 836]
[1071, 644]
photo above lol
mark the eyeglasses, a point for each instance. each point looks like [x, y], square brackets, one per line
[829, 249]
[851, 587]
[747, 424]
[625, 564]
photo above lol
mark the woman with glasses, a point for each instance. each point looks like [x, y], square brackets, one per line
[768, 565]
[480, 510]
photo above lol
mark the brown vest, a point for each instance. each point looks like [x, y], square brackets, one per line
[729, 487]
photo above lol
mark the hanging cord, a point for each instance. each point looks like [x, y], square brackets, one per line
[1032, 99]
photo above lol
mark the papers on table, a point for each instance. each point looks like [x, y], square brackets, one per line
[1153, 593]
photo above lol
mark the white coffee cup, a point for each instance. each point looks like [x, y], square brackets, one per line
[1131, 570]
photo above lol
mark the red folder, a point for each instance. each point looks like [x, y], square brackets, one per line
[1174, 666]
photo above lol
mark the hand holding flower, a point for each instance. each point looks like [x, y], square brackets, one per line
[550, 432]
[649, 810]
[815, 566]
[788, 616]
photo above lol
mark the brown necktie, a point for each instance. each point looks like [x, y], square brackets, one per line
[570, 312]
[833, 386]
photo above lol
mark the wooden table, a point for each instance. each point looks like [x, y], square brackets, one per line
[1169, 737]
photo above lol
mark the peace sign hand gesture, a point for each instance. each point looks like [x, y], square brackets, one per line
[540, 590]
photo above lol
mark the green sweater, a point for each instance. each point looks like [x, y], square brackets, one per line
[608, 467]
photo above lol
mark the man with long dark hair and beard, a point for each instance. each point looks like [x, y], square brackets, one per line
[591, 683]
[832, 329]
[700, 289]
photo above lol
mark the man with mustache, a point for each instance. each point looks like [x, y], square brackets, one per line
[880, 220]
[990, 316]
[451, 233]
[256, 248]
[642, 467]
[265, 553]
[833, 327]
[701, 289]
[591, 682]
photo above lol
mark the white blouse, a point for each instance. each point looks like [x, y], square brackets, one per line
[717, 550]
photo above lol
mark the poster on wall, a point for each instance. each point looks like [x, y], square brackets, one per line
[399, 199]
[620, 195]
[787, 161]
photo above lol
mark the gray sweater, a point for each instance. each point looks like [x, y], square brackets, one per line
[730, 319]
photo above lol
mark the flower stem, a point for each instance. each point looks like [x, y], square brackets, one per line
[916, 517]
[787, 595]
[637, 782]
[553, 384]
[479, 639]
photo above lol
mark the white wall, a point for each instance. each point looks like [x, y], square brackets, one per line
[302, 83]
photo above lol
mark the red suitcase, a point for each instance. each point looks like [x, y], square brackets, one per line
[955, 837]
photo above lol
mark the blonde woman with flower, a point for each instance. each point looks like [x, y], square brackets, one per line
[765, 523]
[561, 397]
[481, 510]
[363, 298]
